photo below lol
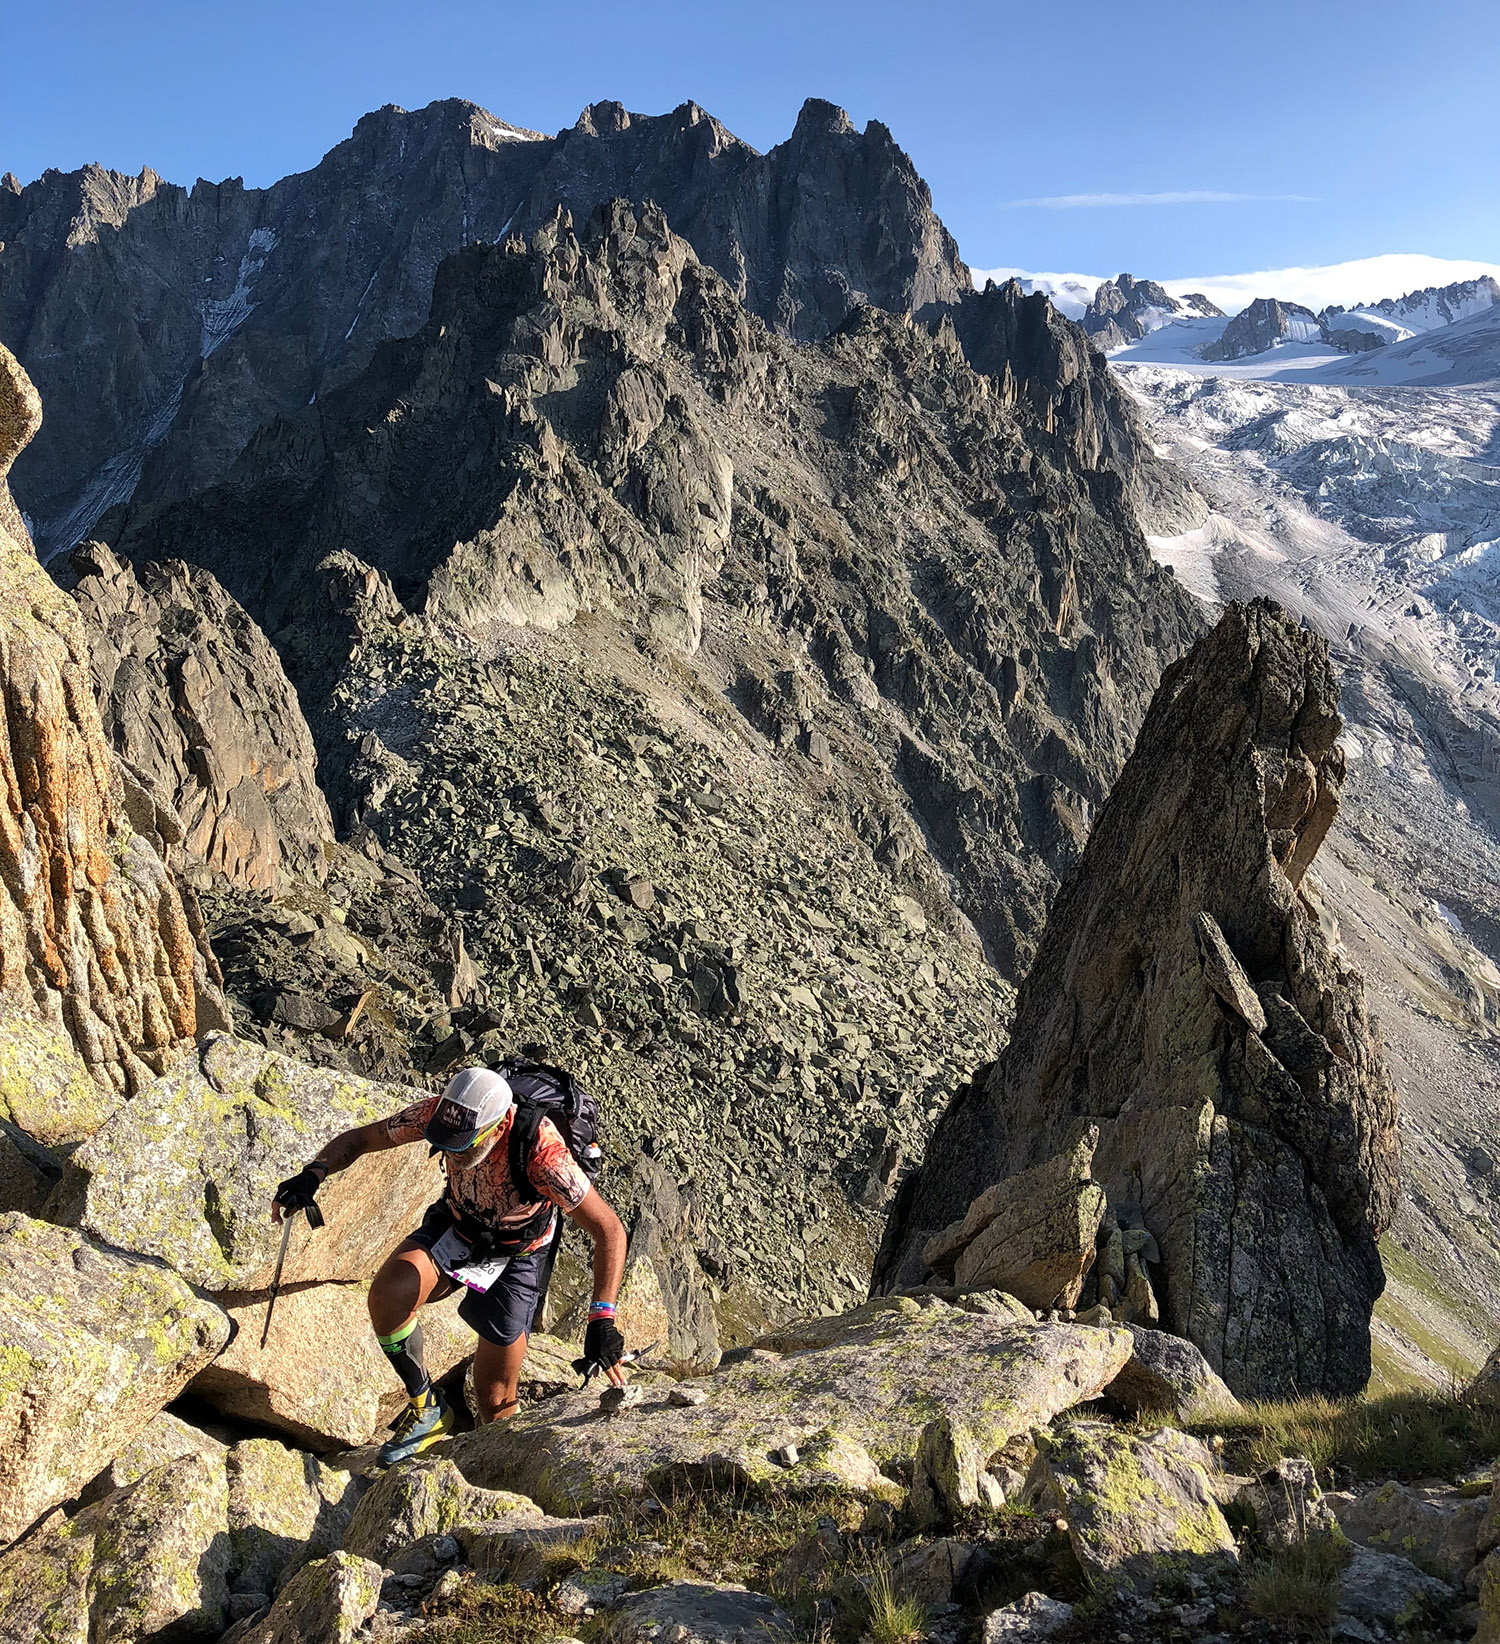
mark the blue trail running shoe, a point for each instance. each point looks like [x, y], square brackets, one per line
[424, 1421]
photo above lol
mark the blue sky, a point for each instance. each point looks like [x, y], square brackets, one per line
[1278, 133]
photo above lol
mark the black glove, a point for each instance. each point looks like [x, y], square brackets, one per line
[296, 1193]
[603, 1346]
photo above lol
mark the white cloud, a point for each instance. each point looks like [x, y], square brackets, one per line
[1365, 280]
[1185, 196]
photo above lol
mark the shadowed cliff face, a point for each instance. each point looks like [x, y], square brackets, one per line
[932, 570]
[163, 325]
[1186, 999]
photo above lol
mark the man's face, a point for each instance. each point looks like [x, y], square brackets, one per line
[476, 1152]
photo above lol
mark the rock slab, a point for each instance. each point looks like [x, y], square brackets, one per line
[862, 1398]
[92, 1346]
[186, 1171]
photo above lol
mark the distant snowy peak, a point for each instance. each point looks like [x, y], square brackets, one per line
[1069, 294]
[1125, 309]
[1394, 319]
[1265, 324]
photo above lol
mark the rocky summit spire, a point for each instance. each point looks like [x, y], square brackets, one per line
[1187, 1001]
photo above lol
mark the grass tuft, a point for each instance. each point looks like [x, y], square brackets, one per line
[1298, 1583]
[892, 1617]
[1407, 1435]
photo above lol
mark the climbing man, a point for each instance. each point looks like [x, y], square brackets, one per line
[510, 1172]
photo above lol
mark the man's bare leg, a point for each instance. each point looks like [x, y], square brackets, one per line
[408, 1279]
[497, 1377]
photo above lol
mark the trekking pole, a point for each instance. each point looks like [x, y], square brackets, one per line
[314, 1219]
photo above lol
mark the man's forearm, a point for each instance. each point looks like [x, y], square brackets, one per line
[343, 1150]
[609, 1261]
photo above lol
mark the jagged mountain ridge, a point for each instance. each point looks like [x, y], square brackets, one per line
[162, 324]
[602, 427]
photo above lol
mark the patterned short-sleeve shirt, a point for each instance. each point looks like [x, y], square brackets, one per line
[487, 1191]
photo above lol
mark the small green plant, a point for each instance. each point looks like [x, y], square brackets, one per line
[1299, 1583]
[892, 1617]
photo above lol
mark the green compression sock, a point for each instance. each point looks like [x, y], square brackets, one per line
[403, 1348]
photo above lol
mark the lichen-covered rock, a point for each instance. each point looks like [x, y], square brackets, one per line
[148, 1561]
[879, 1382]
[321, 1378]
[1133, 1504]
[1488, 1599]
[186, 1171]
[285, 1507]
[164, 1438]
[1031, 1235]
[195, 701]
[1436, 1529]
[1264, 1163]
[324, 1603]
[94, 936]
[945, 1473]
[1169, 1375]
[429, 1498]
[693, 1612]
[92, 1345]
[45, 1089]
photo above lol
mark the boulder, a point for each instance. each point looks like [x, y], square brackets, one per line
[694, 1612]
[1031, 1235]
[195, 701]
[322, 1378]
[186, 1171]
[1388, 1590]
[935, 1572]
[878, 1382]
[945, 1473]
[1169, 1375]
[520, 1555]
[147, 1561]
[164, 1438]
[92, 1346]
[1264, 1162]
[1437, 1529]
[1286, 1505]
[1033, 1616]
[285, 1507]
[1130, 1501]
[95, 938]
[324, 1603]
[430, 1497]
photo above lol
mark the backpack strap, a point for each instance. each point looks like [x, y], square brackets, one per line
[523, 1133]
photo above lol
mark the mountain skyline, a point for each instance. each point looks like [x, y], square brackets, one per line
[1356, 142]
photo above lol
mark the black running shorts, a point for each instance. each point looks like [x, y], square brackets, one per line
[506, 1311]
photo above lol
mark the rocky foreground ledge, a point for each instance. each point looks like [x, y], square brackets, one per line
[938, 1466]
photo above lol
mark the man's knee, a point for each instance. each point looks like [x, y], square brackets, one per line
[398, 1290]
